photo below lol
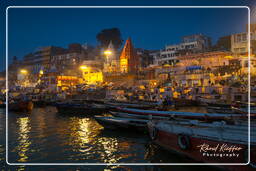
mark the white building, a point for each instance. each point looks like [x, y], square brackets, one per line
[168, 55]
[189, 44]
[239, 43]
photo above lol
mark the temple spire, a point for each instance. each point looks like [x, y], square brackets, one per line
[128, 58]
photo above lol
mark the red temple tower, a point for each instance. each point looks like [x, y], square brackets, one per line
[128, 58]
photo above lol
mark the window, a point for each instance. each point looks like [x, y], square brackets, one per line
[244, 37]
[242, 49]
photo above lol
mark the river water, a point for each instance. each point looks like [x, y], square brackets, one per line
[45, 136]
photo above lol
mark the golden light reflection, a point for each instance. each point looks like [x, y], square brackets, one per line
[82, 133]
[110, 147]
[23, 139]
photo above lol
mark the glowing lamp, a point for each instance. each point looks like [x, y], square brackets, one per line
[107, 52]
[23, 71]
[83, 67]
[161, 90]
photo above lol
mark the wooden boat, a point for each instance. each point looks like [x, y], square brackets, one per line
[182, 102]
[220, 108]
[76, 107]
[243, 108]
[2, 105]
[185, 115]
[227, 110]
[128, 115]
[214, 142]
[122, 123]
[137, 105]
[21, 106]
[237, 107]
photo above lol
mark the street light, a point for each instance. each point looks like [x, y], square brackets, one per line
[107, 52]
[23, 71]
[41, 72]
[83, 67]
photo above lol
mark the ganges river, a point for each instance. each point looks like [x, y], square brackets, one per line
[45, 136]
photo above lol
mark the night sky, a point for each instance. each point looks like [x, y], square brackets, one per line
[148, 28]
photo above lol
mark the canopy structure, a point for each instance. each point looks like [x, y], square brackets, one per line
[195, 67]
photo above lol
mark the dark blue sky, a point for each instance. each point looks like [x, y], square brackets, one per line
[148, 28]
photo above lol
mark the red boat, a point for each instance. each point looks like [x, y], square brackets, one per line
[213, 143]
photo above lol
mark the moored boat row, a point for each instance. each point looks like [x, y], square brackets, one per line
[204, 137]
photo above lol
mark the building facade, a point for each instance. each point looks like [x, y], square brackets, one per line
[239, 42]
[129, 61]
[189, 44]
[41, 59]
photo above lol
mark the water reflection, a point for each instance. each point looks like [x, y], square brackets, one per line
[109, 146]
[82, 133]
[23, 138]
[87, 141]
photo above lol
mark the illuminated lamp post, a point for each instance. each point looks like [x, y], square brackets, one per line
[107, 53]
[41, 72]
[24, 72]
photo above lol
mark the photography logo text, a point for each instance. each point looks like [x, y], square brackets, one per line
[219, 150]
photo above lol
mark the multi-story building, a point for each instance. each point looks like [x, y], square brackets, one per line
[66, 60]
[41, 59]
[199, 68]
[145, 57]
[155, 55]
[196, 42]
[168, 55]
[70, 58]
[239, 42]
[189, 44]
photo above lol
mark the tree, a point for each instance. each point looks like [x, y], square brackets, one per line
[113, 34]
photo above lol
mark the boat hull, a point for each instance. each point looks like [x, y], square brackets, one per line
[22, 106]
[122, 123]
[197, 149]
[185, 115]
[78, 109]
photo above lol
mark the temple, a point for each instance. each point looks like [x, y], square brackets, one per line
[128, 58]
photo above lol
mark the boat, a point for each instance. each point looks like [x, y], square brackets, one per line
[182, 102]
[2, 104]
[129, 115]
[220, 109]
[215, 142]
[79, 107]
[243, 108]
[186, 115]
[21, 106]
[122, 123]
[37, 100]
[115, 104]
